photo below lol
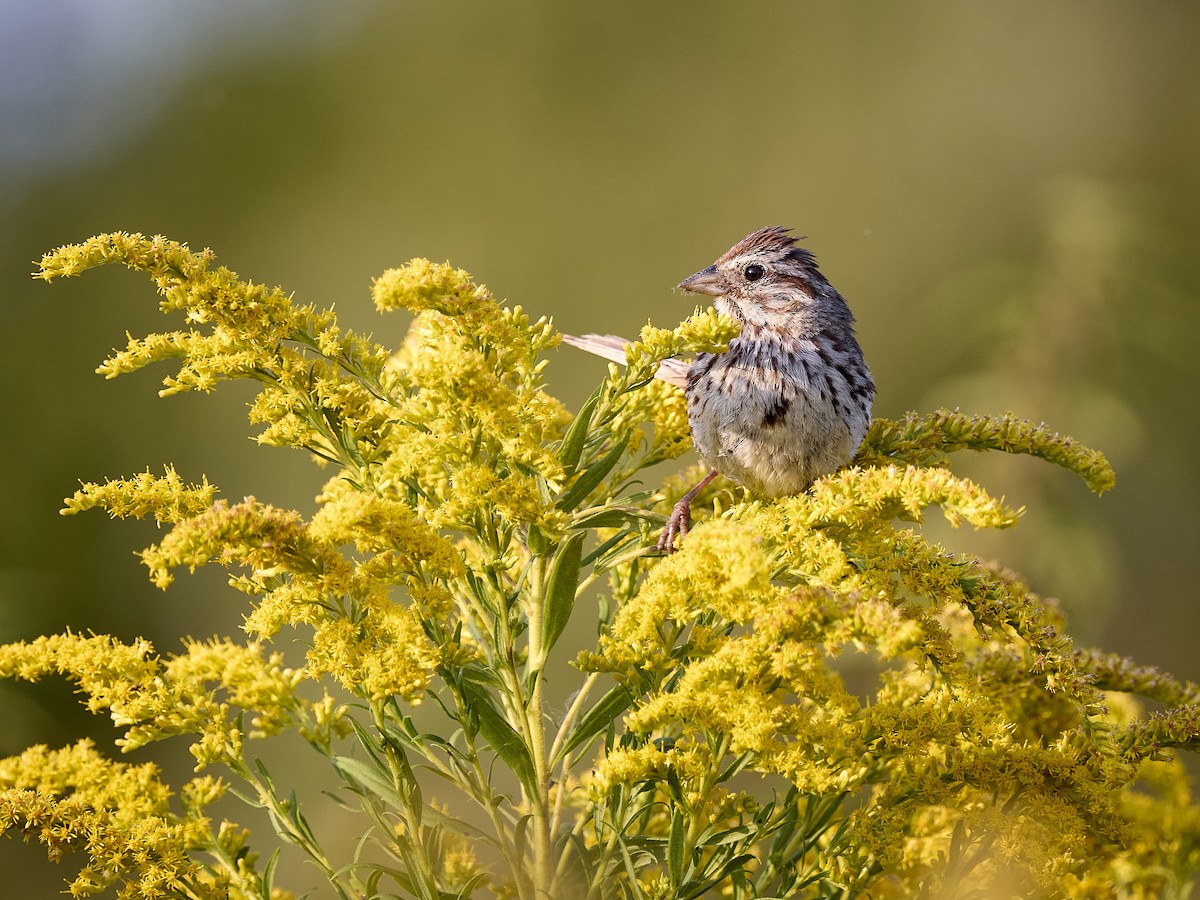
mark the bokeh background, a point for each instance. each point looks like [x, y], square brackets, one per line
[1007, 194]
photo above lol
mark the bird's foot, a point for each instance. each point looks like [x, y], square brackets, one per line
[677, 526]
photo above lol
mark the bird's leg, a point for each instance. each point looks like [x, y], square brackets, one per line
[681, 516]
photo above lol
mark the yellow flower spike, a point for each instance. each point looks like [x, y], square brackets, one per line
[423, 285]
[927, 439]
[856, 496]
[168, 499]
[705, 331]
[254, 535]
[376, 524]
[75, 799]
[203, 791]
[720, 568]
[252, 320]
[386, 653]
[112, 675]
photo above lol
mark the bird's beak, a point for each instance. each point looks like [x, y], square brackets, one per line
[706, 281]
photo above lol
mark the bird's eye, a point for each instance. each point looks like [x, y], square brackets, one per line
[754, 271]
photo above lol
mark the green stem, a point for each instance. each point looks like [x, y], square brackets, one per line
[524, 713]
[572, 714]
[564, 769]
[615, 817]
[486, 798]
[401, 775]
[695, 812]
[543, 846]
[283, 825]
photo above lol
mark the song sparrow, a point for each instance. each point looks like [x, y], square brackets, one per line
[790, 400]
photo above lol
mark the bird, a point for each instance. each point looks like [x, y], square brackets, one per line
[790, 399]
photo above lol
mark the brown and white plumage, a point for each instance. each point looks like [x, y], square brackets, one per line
[790, 399]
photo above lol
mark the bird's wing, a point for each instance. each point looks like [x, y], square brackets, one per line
[612, 347]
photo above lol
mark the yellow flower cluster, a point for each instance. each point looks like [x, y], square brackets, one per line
[985, 746]
[631, 398]
[477, 425]
[926, 439]
[373, 646]
[168, 499]
[76, 800]
[704, 331]
[929, 727]
[423, 285]
[202, 692]
[452, 433]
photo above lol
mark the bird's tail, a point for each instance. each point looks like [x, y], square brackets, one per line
[612, 347]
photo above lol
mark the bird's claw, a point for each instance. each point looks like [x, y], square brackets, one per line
[677, 526]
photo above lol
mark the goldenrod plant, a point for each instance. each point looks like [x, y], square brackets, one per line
[809, 699]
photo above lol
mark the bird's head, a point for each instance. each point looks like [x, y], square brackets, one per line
[767, 281]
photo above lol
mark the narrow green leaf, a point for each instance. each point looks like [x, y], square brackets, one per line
[423, 889]
[561, 584]
[703, 889]
[520, 839]
[350, 444]
[480, 591]
[267, 879]
[597, 720]
[468, 889]
[477, 674]
[591, 477]
[536, 541]
[458, 826]
[734, 835]
[629, 549]
[572, 443]
[298, 819]
[619, 538]
[369, 780]
[674, 785]
[501, 736]
[615, 517]
[737, 765]
[584, 856]
[675, 846]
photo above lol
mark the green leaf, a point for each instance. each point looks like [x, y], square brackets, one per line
[735, 835]
[572, 443]
[468, 889]
[267, 879]
[617, 553]
[602, 549]
[458, 826]
[418, 884]
[584, 856]
[597, 720]
[520, 836]
[703, 889]
[477, 674]
[675, 846]
[501, 736]
[615, 517]
[369, 780]
[561, 584]
[591, 477]
[537, 542]
[737, 765]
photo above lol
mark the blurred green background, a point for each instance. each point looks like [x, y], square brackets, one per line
[1007, 195]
